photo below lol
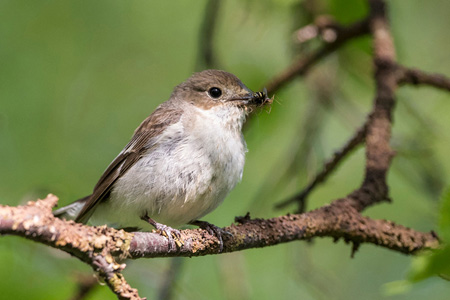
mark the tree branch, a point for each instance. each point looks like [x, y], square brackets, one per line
[302, 66]
[378, 151]
[98, 245]
[92, 245]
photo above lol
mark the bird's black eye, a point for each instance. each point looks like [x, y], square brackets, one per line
[215, 92]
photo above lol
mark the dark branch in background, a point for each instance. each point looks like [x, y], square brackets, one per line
[173, 272]
[85, 285]
[102, 247]
[206, 58]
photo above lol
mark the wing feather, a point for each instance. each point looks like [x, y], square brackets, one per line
[144, 138]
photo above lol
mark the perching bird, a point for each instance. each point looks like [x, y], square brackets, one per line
[181, 162]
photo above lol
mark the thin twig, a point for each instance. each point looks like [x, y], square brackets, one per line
[328, 168]
[418, 77]
[303, 65]
[107, 269]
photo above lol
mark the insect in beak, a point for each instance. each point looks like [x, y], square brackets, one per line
[255, 98]
[260, 98]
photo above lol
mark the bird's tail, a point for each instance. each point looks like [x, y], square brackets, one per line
[71, 211]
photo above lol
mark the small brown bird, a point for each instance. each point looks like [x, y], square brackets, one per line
[181, 162]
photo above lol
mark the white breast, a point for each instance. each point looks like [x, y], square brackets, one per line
[194, 164]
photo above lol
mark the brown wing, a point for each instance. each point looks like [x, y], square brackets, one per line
[165, 115]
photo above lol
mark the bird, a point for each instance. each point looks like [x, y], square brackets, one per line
[181, 162]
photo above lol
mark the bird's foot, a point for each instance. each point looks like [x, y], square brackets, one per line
[173, 235]
[212, 230]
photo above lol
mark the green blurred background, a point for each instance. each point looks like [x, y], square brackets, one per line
[77, 77]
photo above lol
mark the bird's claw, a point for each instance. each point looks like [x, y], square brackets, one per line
[172, 235]
[213, 230]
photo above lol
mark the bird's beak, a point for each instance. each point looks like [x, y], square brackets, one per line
[253, 98]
